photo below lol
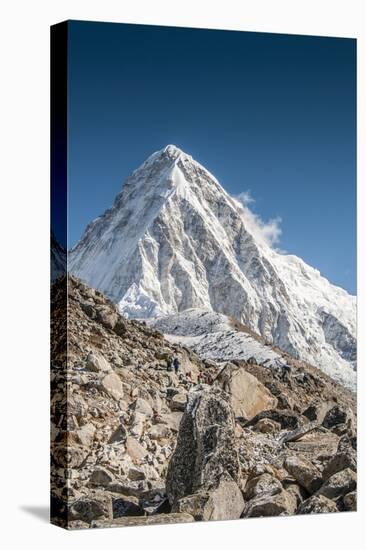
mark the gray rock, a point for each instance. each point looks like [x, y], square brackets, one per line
[288, 420]
[280, 504]
[339, 484]
[339, 462]
[205, 451]
[100, 476]
[317, 504]
[88, 509]
[336, 415]
[317, 411]
[135, 474]
[126, 506]
[294, 435]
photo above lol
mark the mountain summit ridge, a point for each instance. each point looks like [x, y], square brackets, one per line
[174, 239]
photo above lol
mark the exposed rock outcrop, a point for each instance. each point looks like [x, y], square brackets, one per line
[205, 465]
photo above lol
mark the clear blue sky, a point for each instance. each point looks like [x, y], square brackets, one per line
[275, 114]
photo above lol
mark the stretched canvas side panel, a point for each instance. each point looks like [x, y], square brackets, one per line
[58, 246]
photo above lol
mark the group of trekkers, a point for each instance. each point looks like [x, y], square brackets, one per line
[173, 364]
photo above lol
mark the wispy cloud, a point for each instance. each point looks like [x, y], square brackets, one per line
[245, 197]
[268, 231]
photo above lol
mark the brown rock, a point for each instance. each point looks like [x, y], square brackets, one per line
[248, 396]
[112, 385]
[350, 502]
[262, 484]
[135, 450]
[305, 473]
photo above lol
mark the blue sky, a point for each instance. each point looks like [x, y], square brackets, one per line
[271, 114]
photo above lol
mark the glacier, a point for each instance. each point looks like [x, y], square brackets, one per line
[174, 240]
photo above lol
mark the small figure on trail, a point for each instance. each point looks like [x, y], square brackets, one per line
[176, 364]
[189, 375]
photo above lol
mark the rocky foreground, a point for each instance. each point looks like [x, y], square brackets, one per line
[133, 443]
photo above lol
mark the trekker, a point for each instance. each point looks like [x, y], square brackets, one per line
[176, 365]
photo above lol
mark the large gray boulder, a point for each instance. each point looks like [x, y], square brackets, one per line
[203, 473]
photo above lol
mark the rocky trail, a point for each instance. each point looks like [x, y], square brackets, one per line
[135, 443]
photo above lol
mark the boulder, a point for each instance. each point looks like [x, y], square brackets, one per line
[317, 410]
[159, 431]
[126, 507]
[248, 396]
[339, 462]
[107, 316]
[87, 509]
[305, 473]
[112, 385]
[135, 450]
[205, 454]
[178, 402]
[336, 415]
[317, 504]
[288, 420]
[172, 420]
[299, 492]
[339, 484]
[135, 474]
[350, 502]
[96, 362]
[141, 406]
[85, 434]
[101, 476]
[267, 426]
[225, 502]
[262, 484]
[280, 504]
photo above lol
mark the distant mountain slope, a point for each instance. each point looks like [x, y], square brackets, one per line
[174, 240]
[217, 337]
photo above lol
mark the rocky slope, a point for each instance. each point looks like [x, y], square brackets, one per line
[174, 240]
[134, 443]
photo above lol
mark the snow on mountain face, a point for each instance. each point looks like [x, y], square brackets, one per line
[212, 336]
[174, 240]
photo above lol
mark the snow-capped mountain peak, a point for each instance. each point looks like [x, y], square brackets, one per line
[174, 240]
